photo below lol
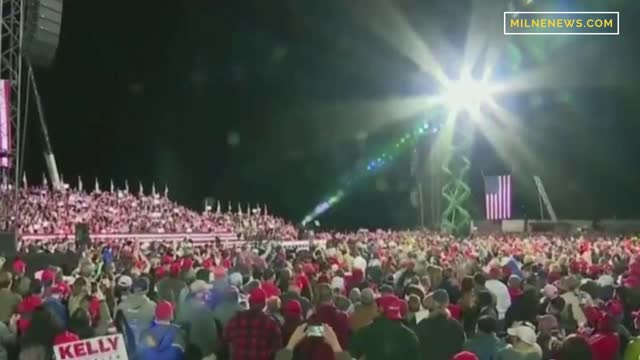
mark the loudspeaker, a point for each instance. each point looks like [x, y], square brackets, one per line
[43, 20]
[82, 234]
[8, 244]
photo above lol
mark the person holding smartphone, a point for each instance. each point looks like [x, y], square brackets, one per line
[302, 332]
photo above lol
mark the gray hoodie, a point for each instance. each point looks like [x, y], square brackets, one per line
[203, 331]
[138, 310]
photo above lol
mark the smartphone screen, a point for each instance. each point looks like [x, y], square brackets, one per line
[315, 331]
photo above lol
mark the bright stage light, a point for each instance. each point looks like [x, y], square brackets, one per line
[466, 93]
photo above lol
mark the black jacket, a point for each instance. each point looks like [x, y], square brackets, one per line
[441, 337]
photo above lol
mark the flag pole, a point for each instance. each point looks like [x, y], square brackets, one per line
[486, 214]
[540, 204]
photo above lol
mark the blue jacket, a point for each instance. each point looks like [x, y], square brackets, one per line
[161, 342]
[485, 346]
[58, 310]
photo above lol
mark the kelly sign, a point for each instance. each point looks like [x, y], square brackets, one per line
[109, 347]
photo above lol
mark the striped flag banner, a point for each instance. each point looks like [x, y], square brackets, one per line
[5, 124]
[497, 192]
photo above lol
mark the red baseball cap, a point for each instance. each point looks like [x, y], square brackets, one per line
[187, 264]
[392, 309]
[65, 338]
[175, 269]
[58, 289]
[292, 307]
[29, 304]
[48, 276]
[308, 268]
[257, 297]
[19, 266]
[167, 260]
[465, 355]
[164, 311]
[296, 282]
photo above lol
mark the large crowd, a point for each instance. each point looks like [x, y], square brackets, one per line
[364, 295]
[45, 212]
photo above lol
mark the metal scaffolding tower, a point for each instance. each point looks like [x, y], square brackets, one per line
[11, 31]
[21, 86]
[455, 190]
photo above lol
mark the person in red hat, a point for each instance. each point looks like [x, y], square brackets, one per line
[386, 337]
[292, 313]
[46, 331]
[65, 337]
[303, 280]
[21, 283]
[162, 340]
[252, 334]
[605, 343]
[325, 313]
[28, 304]
[47, 277]
[355, 279]
[170, 287]
[294, 293]
[269, 284]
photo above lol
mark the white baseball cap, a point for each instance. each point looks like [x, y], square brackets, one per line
[199, 286]
[337, 283]
[606, 280]
[524, 333]
[550, 291]
[125, 281]
[235, 279]
[359, 263]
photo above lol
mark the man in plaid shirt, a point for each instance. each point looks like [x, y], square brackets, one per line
[252, 334]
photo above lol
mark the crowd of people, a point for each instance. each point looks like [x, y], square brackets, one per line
[45, 212]
[364, 295]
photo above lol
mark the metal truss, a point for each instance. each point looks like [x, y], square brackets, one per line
[11, 31]
[456, 219]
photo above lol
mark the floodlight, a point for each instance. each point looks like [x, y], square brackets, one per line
[466, 93]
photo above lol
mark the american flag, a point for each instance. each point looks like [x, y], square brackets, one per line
[497, 192]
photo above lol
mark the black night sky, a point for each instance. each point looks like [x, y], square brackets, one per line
[228, 99]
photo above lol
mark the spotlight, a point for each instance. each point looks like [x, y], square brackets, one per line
[466, 94]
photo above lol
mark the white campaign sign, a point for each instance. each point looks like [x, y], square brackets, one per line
[109, 347]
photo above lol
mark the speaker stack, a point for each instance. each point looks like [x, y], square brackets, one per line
[82, 235]
[8, 245]
[43, 20]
